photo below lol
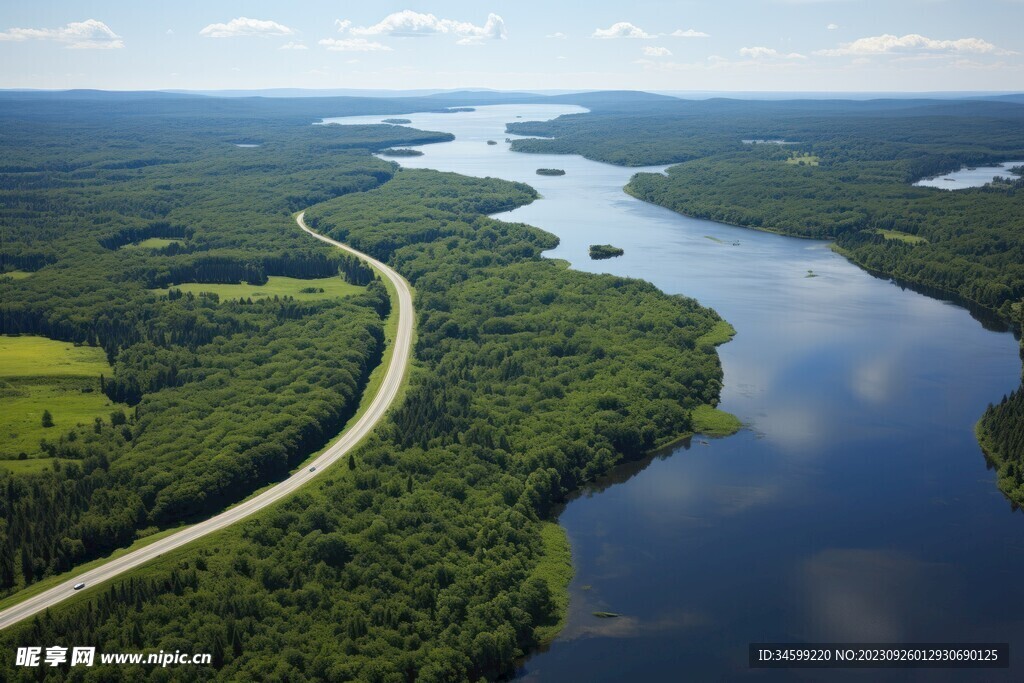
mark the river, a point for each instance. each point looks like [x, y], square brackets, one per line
[855, 505]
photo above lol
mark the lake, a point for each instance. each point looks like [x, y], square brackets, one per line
[855, 506]
[970, 177]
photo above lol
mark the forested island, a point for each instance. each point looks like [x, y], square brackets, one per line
[396, 121]
[604, 251]
[431, 554]
[550, 171]
[400, 152]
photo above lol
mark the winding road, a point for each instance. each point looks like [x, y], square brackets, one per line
[349, 438]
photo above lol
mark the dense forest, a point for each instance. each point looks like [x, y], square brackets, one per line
[425, 556]
[224, 396]
[967, 245]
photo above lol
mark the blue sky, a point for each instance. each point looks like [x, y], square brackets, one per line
[747, 45]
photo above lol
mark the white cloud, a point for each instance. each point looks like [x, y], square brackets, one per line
[292, 45]
[768, 53]
[689, 33]
[342, 24]
[652, 51]
[622, 29]
[169, 31]
[888, 44]
[353, 45]
[406, 24]
[558, 35]
[244, 26]
[77, 35]
[832, 27]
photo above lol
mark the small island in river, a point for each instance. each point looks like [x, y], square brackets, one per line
[492, 142]
[603, 251]
[400, 152]
[550, 171]
[397, 121]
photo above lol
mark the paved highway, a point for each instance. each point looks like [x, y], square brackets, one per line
[381, 402]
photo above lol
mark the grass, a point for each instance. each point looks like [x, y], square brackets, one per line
[16, 274]
[797, 159]
[276, 286]
[30, 466]
[30, 356]
[706, 419]
[152, 243]
[39, 374]
[721, 333]
[900, 236]
[555, 569]
[25, 398]
[714, 422]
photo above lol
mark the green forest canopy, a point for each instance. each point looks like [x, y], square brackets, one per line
[424, 558]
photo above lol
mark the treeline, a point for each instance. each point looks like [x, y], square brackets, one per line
[419, 559]
[1001, 432]
[234, 267]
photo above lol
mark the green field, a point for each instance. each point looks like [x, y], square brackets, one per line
[555, 569]
[29, 356]
[714, 422]
[900, 236]
[803, 159]
[30, 466]
[40, 374]
[152, 243]
[16, 274]
[276, 286]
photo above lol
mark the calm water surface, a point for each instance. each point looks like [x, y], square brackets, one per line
[855, 506]
[970, 177]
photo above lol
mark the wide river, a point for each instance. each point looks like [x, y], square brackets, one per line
[855, 506]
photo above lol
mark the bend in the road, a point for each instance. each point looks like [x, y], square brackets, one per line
[351, 437]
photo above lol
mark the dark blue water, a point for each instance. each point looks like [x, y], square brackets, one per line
[855, 506]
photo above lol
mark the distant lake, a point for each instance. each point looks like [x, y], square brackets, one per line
[855, 506]
[970, 177]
